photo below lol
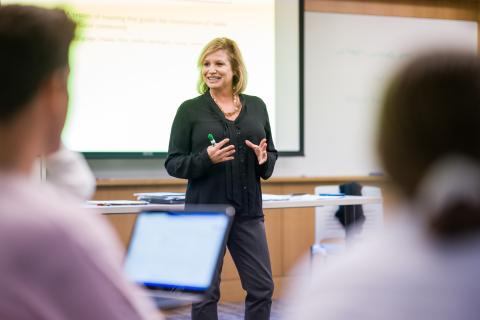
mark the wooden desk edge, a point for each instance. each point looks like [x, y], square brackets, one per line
[347, 200]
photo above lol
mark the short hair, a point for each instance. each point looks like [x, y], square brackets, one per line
[34, 42]
[430, 111]
[238, 67]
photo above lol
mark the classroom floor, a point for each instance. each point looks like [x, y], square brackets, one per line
[226, 311]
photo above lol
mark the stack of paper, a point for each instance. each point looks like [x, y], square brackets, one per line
[162, 197]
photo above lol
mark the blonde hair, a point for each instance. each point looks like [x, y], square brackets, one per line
[239, 80]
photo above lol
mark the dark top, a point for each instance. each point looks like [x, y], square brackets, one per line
[235, 182]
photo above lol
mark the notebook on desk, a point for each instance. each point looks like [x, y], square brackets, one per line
[176, 254]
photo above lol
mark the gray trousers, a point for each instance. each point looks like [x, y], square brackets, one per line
[247, 243]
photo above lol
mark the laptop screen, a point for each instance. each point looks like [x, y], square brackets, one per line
[176, 250]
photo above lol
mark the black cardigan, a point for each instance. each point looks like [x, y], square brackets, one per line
[235, 182]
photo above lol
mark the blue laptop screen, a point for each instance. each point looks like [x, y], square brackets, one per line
[176, 250]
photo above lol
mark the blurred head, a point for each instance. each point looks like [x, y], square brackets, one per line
[34, 46]
[221, 65]
[431, 111]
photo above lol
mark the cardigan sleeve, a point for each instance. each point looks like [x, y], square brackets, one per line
[181, 162]
[266, 169]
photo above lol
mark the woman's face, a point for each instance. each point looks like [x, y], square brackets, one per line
[217, 71]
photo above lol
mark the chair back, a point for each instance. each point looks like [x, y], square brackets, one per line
[327, 225]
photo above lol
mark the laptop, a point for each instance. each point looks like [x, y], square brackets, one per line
[176, 254]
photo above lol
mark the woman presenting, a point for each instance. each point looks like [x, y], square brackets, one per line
[222, 143]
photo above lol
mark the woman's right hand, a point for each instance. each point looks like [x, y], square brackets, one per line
[219, 154]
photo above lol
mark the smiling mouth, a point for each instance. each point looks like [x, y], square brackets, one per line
[213, 78]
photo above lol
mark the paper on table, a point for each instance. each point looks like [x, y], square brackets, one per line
[275, 197]
[304, 197]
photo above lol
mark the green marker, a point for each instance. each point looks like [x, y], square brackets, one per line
[212, 141]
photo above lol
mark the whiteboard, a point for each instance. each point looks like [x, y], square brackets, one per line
[349, 59]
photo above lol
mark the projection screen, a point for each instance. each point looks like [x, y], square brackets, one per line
[133, 63]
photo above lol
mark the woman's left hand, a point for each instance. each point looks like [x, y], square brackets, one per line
[260, 150]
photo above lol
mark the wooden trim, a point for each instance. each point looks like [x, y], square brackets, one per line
[140, 182]
[441, 9]
[272, 181]
[333, 179]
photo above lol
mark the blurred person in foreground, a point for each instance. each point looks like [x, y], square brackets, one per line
[56, 261]
[426, 264]
[69, 172]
